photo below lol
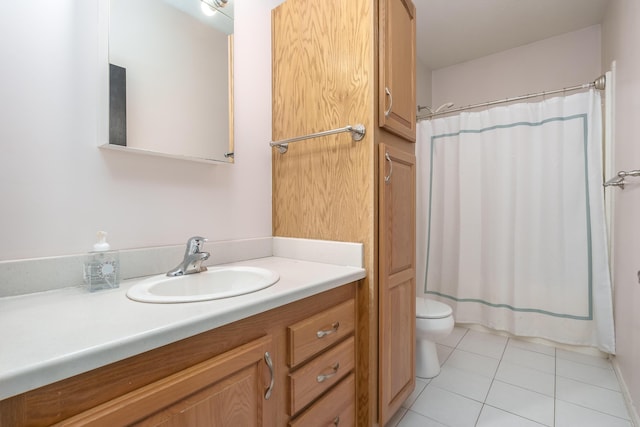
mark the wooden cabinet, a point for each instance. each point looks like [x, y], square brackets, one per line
[333, 63]
[232, 389]
[396, 84]
[316, 333]
[397, 286]
[333, 409]
[217, 378]
[322, 355]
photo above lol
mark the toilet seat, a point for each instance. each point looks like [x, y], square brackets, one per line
[431, 309]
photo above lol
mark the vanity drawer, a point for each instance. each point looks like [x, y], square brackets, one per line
[312, 335]
[336, 408]
[321, 374]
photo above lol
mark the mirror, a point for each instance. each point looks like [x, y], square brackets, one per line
[171, 78]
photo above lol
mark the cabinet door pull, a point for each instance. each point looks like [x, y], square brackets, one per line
[322, 378]
[387, 178]
[269, 362]
[336, 421]
[388, 110]
[324, 332]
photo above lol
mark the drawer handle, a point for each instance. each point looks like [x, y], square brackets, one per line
[336, 421]
[322, 378]
[323, 333]
[269, 362]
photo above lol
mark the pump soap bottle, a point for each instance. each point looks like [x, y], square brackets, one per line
[102, 267]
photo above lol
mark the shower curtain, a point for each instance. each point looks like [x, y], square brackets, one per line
[511, 229]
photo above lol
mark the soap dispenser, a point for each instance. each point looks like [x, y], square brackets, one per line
[102, 267]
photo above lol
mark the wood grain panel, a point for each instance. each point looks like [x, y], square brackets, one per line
[335, 408]
[397, 55]
[304, 341]
[324, 77]
[396, 279]
[335, 363]
[322, 73]
[204, 394]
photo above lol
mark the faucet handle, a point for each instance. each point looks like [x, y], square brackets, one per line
[194, 245]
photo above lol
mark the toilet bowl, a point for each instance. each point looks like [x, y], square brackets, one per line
[434, 321]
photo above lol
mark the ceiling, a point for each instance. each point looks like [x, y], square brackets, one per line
[453, 31]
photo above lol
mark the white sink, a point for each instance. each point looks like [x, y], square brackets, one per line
[215, 283]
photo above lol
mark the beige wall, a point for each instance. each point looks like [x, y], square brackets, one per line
[621, 38]
[554, 63]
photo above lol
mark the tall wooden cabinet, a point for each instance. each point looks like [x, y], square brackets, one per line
[333, 64]
[396, 92]
[396, 278]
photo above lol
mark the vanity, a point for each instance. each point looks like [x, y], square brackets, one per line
[284, 355]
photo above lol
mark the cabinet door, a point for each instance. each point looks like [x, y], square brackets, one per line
[396, 279]
[227, 390]
[397, 68]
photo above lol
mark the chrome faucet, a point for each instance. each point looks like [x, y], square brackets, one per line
[193, 257]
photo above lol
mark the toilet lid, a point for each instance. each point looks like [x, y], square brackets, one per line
[431, 309]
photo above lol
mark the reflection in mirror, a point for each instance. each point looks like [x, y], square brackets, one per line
[171, 78]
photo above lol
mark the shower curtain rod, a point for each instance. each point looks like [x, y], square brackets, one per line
[598, 83]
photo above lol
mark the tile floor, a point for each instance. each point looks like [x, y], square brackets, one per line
[493, 381]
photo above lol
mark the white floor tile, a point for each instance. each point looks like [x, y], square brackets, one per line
[569, 415]
[412, 419]
[443, 353]
[474, 363]
[530, 359]
[601, 377]
[586, 359]
[517, 381]
[447, 408]
[420, 385]
[454, 337]
[530, 379]
[483, 343]
[525, 403]
[494, 417]
[590, 396]
[532, 346]
[463, 383]
[393, 422]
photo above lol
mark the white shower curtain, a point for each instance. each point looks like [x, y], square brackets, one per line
[511, 229]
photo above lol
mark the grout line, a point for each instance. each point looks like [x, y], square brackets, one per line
[594, 385]
[632, 416]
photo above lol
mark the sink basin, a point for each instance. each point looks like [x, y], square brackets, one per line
[215, 283]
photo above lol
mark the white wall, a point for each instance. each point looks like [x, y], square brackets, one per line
[58, 188]
[423, 85]
[554, 63]
[621, 36]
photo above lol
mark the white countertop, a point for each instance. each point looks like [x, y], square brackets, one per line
[50, 336]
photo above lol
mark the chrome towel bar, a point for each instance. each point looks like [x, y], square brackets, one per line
[357, 133]
[619, 180]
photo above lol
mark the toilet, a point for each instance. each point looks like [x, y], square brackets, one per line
[434, 321]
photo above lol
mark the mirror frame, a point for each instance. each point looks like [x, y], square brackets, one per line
[103, 98]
